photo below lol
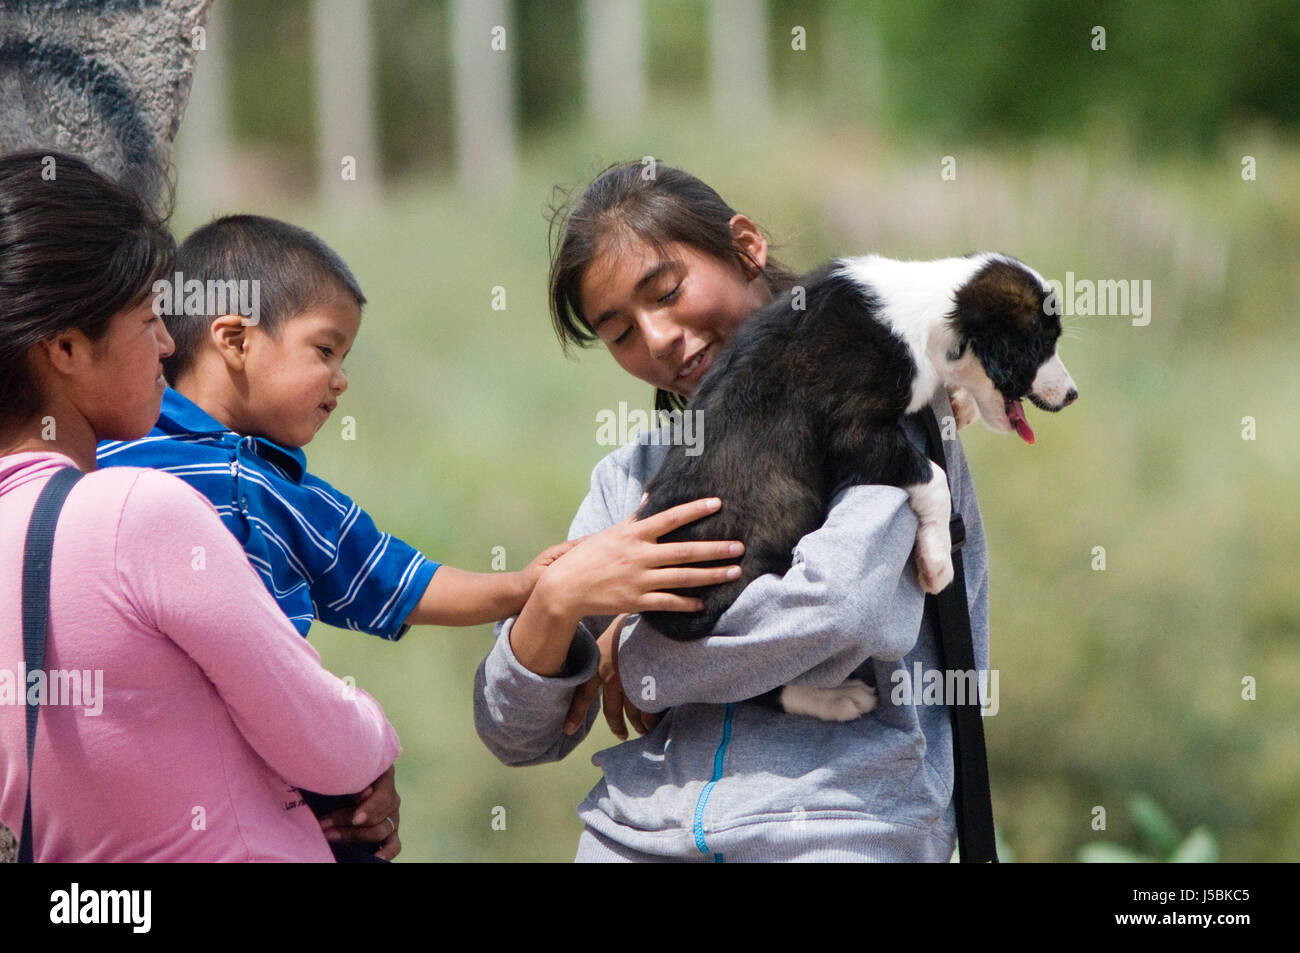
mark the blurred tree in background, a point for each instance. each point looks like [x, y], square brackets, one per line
[1169, 76]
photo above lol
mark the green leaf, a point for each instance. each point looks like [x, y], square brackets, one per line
[1153, 824]
[1200, 847]
[1111, 854]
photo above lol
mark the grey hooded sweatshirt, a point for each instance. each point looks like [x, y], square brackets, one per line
[722, 778]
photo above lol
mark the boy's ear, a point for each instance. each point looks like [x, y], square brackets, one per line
[230, 335]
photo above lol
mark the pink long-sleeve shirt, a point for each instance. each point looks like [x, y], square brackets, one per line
[213, 709]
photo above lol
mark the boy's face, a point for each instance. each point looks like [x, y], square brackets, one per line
[295, 379]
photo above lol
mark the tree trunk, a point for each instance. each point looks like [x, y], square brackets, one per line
[483, 93]
[738, 41]
[204, 158]
[348, 157]
[614, 58]
[108, 82]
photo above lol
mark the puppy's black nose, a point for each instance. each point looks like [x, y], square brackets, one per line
[1070, 398]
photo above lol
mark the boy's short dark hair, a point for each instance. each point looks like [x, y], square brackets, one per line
[295, 271]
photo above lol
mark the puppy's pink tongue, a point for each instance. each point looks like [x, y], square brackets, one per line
[1016, 414]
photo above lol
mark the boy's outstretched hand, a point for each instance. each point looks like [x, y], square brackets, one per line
[533, 571]
[457, 597]
[373, 820]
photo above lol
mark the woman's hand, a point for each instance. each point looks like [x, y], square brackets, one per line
[374, 820]
[613, 701]
[624, 569]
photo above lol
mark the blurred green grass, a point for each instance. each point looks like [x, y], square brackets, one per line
[473, 432]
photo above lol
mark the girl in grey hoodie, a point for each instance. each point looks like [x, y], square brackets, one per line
[662, 271]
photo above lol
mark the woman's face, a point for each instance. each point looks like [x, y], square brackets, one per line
[119, 384]
[665, 313]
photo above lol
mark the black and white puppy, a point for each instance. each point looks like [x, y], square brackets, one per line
[809, 394]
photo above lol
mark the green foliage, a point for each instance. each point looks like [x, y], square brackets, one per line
[413, 84]
[1170, 74]
[1159, 838]
[677, 51]
[549, 46]
[270, 73]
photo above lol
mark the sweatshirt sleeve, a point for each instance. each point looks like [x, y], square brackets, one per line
[186, 576]
[850, 594]
[518, 714]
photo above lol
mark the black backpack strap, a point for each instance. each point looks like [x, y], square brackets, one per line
[36, 612]
[974, 803]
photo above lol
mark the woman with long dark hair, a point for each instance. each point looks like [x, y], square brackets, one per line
[178, 709]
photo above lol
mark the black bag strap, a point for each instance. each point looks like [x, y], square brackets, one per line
[36, 612]
[974, 803]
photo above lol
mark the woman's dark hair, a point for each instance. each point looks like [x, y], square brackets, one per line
[75, 249]
[660, 205]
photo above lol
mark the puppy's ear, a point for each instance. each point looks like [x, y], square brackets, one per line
[1000, 295]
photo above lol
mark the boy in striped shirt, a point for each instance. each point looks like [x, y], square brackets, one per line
[263, 314]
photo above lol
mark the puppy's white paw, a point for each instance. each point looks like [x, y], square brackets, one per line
[933, 555]
[846, 702]
[935, 582]
[964, 408]
[933, 551]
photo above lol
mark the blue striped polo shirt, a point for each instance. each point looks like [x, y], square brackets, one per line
[320, 555]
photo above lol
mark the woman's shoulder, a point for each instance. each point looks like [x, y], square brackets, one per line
[163, 490]
[144, 500]
[630, 463]
[107, 489]
[617, 482]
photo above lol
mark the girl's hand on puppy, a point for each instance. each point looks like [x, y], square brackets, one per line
[614, 702]
[623, 568]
